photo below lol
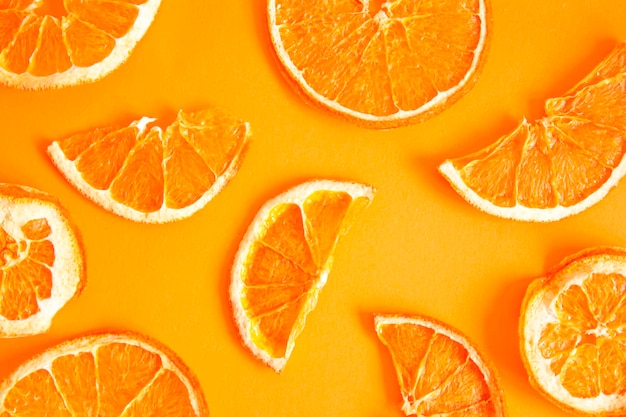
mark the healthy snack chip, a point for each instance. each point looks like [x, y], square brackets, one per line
[573, 333]
[559, 165]
[145, 174]
[284, 260]
[41, 260]
[42, 47]
[381, 66]
[110, 374]
[441, 373]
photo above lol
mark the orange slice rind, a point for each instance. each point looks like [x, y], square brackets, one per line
[91, 39]
[41, 260]
[284, 260]
[439, 370]
[121, 374]
[145, 173]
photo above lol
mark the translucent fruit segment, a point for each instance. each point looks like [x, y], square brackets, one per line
[586, 347]
[87, 45]
[36, 395]
[51, 54]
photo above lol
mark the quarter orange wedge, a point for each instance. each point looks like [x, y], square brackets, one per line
[41, 260]
[385, 65]
[560, 164]
[147, 174]
[44, 44]
[441, 373]
[573, 333]
[284, 261]
[114, 374]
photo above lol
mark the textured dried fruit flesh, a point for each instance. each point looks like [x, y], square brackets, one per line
[54, 37]
[564, 157]
[115, 379]
[148, 169]
[284, 264]
[384, 61]
[26, 257]
[437, 376]
[586, 348]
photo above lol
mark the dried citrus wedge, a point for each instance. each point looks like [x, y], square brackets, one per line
[559, 165]
[112, 374]
[145, 174]
[41, 260]
[439, 370]
[573, 333]
[43, 47]
[284, 260]
[381, 66]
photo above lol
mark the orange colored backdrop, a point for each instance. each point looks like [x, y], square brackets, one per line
[419, 248]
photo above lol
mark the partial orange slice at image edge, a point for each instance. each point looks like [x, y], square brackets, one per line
[381, 66]
[559, 165]
[41, 260]
[109, 374]
[573, 333]
[284, 260]
[81, 43]
[145, 173]
[439, 370]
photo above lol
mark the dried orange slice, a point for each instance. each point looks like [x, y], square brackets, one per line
[559, 165]
[145, 174]
[44, 44]
[385, 65]
[115, 374]
[284, 260]
[439, 370]
[573, 333]
[41, 260]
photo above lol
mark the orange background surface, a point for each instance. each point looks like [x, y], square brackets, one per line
[419, 248]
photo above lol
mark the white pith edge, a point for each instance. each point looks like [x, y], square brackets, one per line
[540, 311]
[441, 97]
[519, 212]
[490, 378]
[164, 214]
[77, 75]
[90, 344]
[296, 195]
[67, 269]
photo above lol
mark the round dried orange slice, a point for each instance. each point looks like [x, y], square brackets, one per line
[441, 373]
[112, 374]
[147, 174]
[46, 44]
[381, 65]
[558, 165]
[573, 333]
[41, 260]
[284, 260]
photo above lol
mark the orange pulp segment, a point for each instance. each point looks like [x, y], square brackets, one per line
[145, 174]
[284, 260]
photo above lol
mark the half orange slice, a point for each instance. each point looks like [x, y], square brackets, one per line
[284, 260]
